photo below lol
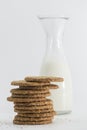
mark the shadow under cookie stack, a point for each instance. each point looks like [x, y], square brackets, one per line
[31, 100]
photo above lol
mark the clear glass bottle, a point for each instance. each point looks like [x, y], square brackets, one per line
[55, 63]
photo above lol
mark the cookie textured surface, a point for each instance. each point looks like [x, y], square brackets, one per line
[33, 107]
[43, 87]
[17, 117]
[49, 114]
[37, 103]
[34, 111]
[24, 83]
[38, 95]
[43, 79]
[17, 122]
[24, 91]
[25, 99]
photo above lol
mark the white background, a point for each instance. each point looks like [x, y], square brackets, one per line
[22, 44]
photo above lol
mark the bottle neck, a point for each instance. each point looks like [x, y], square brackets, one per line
[54, 29]
[54, 45]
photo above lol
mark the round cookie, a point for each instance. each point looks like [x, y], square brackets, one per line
[25, 99]
[34, 88]
[25, 83]
[44, 87]
[53, 86]
[24, 91]
[31, 123]
[43, 79]
[34, 111]
[33, 107]
[40, 95]
[37, 114]
[36, 119]
[38, 103]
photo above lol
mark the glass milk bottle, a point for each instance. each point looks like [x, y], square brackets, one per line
[55, 63]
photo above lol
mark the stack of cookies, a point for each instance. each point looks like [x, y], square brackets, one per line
[31, 100]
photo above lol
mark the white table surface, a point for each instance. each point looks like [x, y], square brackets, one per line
[74, 121]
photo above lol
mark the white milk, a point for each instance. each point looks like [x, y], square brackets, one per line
[62, 97]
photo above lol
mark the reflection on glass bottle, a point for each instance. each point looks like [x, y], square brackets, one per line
[55, 63]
